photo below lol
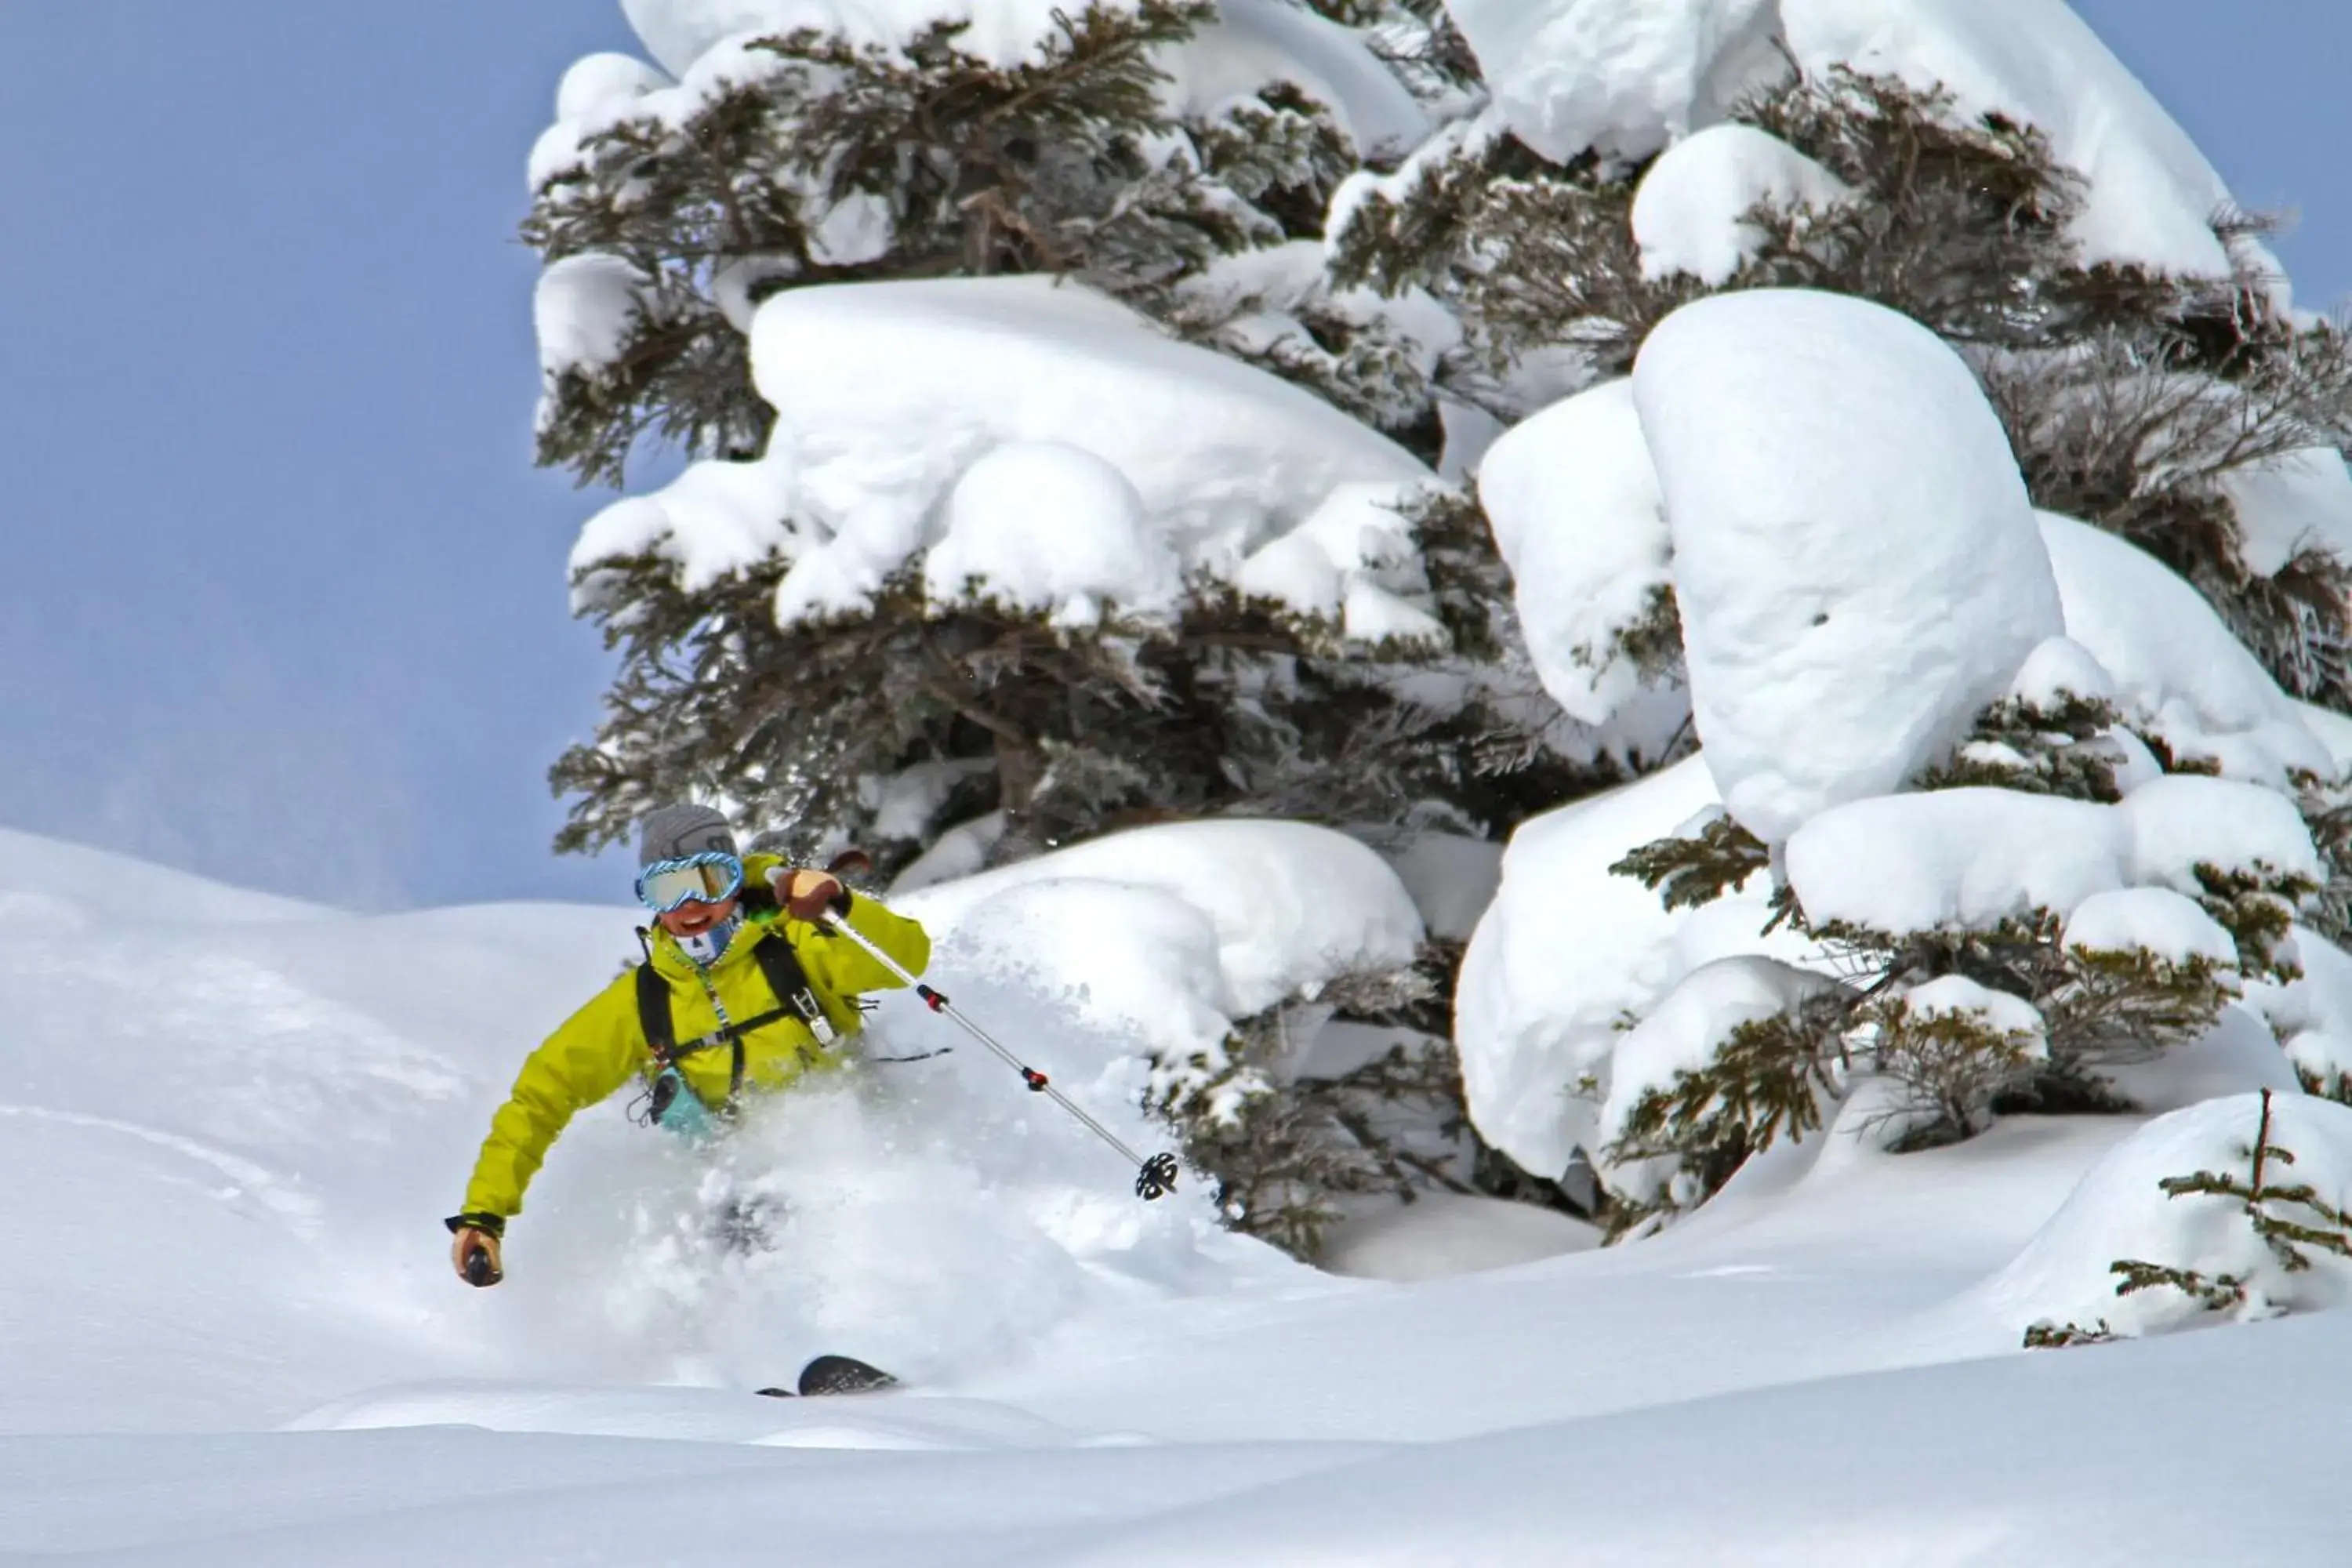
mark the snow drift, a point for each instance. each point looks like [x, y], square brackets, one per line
[1573, 499]
[1855, 559]
[2121, 1211]
[1219, 456]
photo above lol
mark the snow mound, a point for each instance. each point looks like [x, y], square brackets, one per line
[1567, 951]
[2173, 825]
[1254, 43]
[2173, 659]
[597, 93]
[597, 82]
[1158, 941]
[1690, 212]
[1578, 516]
[1044, 525]
[1680, 1035]
[714, 519]
[1855, 559]
[2322, 1059]
[2297, 502]
[2333, 731]
[1974, 857]
[1137, 963]
[691, 1415]
[1158, 458]
[2120, 1212]
[42, 882]
[2239, 1055]
[1624, 77]
[2313, 1016]
[1955, 996]
[607, 97]
[1224, 456]
[2172, 926]
[1444, 1234]
[1352, 561]
[1954, 857]
[582, 309]
[2058, 668]
[1004, 33]
[1285, 906]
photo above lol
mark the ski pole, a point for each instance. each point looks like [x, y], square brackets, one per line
[1154, 1177]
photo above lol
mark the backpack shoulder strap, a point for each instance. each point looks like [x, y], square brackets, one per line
[653, 1014]
[790, 981]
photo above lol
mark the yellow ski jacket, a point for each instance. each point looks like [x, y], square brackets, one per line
[602, 1046]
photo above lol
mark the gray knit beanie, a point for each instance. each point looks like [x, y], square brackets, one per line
[675, 832]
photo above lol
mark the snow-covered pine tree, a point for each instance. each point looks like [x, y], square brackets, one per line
[667, 216]
[2026, 1013]
[2031, 913]
[1637, 165]
[1111, 152]
[2152, 403]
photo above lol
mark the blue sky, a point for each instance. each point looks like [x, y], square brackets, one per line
[283, 600]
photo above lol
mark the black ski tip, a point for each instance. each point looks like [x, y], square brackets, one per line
[777, 1392]
[842, 1374]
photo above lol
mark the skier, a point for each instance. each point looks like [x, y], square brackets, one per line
[743, 990]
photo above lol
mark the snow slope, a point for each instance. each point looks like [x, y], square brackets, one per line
[232, 1124]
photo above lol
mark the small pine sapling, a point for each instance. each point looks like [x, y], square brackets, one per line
[1950, 1066]
[2290, 1218]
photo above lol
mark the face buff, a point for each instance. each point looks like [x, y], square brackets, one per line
[707, 947]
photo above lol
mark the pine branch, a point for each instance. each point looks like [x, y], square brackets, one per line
[1690, 872]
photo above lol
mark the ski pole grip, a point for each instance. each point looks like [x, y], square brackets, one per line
[479, 1270]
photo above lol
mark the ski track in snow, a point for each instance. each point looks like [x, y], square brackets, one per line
[282, 1196]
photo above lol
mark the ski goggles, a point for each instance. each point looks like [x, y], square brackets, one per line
[709, 878]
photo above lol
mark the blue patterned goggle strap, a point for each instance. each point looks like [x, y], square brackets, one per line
[709, 878]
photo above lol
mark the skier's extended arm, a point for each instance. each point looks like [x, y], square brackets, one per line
[589, 1057]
